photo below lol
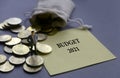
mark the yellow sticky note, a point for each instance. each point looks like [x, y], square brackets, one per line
[74, 49]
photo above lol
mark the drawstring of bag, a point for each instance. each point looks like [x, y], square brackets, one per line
[81, 23]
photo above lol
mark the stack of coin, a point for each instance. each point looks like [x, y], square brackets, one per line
[18, 29]
[33, 63]
[1, 26]
[9, 23]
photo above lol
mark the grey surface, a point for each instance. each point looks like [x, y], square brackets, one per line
[104, 15]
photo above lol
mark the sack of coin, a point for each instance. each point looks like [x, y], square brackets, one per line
[50, 14]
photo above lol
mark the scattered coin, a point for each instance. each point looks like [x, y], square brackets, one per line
[1, 26]
[19, 29]
[34, 60]
[5, 37]
[33, 29]
[2, 58]
[14, 21]
[13, 41]
[31, 69]
[6, 26]
[16, 60]
[24, 34]
[43, 48]
[42, 37]
[48, 30]
[20, 49]
[8, 49]
[25, 41]
[6, 67]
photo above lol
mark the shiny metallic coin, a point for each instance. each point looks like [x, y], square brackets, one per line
[20, 49]
[42, 37]
[5, 37]
[34, 61]
[33, 29]
[6, 67]
[17, 30]
[13, 41]
[16, 60]
[31, 69]
[24, 34]
[8, 49]
[2, 58]
[14, 21]
[25, 41]
[1, 26]
[6, 26]
[43, 48]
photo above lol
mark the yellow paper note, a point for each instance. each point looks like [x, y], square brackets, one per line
[74, 49]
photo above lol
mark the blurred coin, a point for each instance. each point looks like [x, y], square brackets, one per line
[24, 34]
[14, 21]
[20, 49]
[1, 26]
[41, 37]
[6, 67]
[16, 60]
[54, 31]
[33, 29]
[24, 41]
[5, 37]
[34, 61]
[31, 69]
[3, 58]
[43, 48]
[8, 49]
[6, 25]
[13, 41]
[48, 30]
[17, 30]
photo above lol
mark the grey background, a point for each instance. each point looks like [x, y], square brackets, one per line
[104, 15]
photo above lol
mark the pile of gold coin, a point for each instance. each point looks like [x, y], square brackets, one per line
[19, 47]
